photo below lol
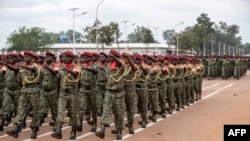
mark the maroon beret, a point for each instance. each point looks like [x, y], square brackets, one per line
[126, 54]
[174, 58]
[41, 56]
[50, 54]
[167, 57]
[95, 54]
[30, 53]
[69, 53]
[104, 54]
[115, 52]
[89, 54]
[138, 56]
[20, 54]
[151, 57]
[12, 54]
[160, 58]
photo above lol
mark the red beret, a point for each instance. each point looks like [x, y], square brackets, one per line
[50, 54]
[151, 57]
[20, 54]
[41, 56]
[13, 54]
[126, 54]
[138, 56]
[115, 52]
[104, 54]
[30, 53]
[160, 58]
[174, 58]
[95, 54]
[89, 54]
[167, 57]
[69, 53]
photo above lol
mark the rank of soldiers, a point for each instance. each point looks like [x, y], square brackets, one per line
[100, 84]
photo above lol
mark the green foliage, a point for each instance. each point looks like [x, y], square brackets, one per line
[141, 35]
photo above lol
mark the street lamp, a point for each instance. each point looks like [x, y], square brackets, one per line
[177, 42]
[74, 9]
[219, 49]
[125, 33]
[97, 23]
[212, 51]
[156, 48]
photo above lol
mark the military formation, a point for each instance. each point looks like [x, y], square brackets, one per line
[103, 85]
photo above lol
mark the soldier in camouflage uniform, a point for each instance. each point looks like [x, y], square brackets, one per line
[48, 93]
[30, 94]
[12, 90]
[101, 82]
[115, 96]
[69, 75]
[87, 92]
[177, 85]
[2, 80]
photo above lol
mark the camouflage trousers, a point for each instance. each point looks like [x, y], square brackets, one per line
[1, 98]
[183, 92]
[153, 98]
[28, 96]
[10, 97]
[114, 102]
[48, 99]
[162, 88]
[143, 98]
[101, 89]
[187, 90]
[177, 92]
[170, 95]
[130, 101]
[67, 98]
[84, 98]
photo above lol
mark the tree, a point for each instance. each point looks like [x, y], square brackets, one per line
[29, 39]
[168, 36]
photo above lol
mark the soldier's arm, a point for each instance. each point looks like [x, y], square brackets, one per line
[92, 69]
[133, 67]
[16, 69]
[31, 68]
[51, 70]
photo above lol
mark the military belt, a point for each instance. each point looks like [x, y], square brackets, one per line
[116, 90]
[140, 85]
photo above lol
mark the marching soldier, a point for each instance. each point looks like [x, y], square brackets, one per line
[29, 95]
[69, 75]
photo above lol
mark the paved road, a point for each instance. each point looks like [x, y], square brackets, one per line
[223, 102]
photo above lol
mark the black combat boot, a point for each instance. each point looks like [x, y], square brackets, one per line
[24, 122]
[34, 133]
[1, 124]
[130, 128]
[163, 113]
[73, 133]
[101, 133]
[94, 124]
[178, 107]
[55, 126]
[52, 123]
[14, 132]
[58, 133]
[79, 125]
[119, 134]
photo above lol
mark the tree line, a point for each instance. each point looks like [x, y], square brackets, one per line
[204, 34]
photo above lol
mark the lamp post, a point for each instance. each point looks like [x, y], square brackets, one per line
[74, 38]
[212, 51]
[219, 49]
[156, 48]
[224, 48]
[177, 42]
[97, 24]
[125, 32]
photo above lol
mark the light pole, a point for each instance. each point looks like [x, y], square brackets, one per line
[212, 51]
[177, 37]
[224, 48]
[219, 49]
[74, 38]
[125, 33]
[156, 48]
[97, 24]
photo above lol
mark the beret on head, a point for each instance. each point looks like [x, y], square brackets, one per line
[95, 54]
[104, 54]
[50, 54]
[115, 52]
[160, 58]
[69, 53]
[126, 54]
[138, 56]
[151, 57]
[20, 54]
[86, 53]
[12, 54]
[167, 57]
[30, 53]
[174, 58]
[41, 56]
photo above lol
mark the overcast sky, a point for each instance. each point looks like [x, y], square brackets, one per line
[54, 16]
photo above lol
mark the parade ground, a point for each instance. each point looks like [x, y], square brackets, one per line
[223, 102]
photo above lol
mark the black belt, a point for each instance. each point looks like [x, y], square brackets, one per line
[116, 90]
[140, 85]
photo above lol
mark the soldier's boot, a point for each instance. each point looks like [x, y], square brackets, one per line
[130, 128]
[73, 133]
[1, 124]
[163, 113]
[15, 132]
[178, 107]
[58, 133]
[150, 117]
[52, 123]
[24, 122]
[55, 126]
[114, 131]
[41, 121]
[34, 133]
[45, 115]
[101, 133]
[9, 118]
[94, 124]
[79, 125]
[154, 116]
[144, 121]
[192, 99]
[199, 96]
[87, 116]
[119, 134]
[196, 97]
